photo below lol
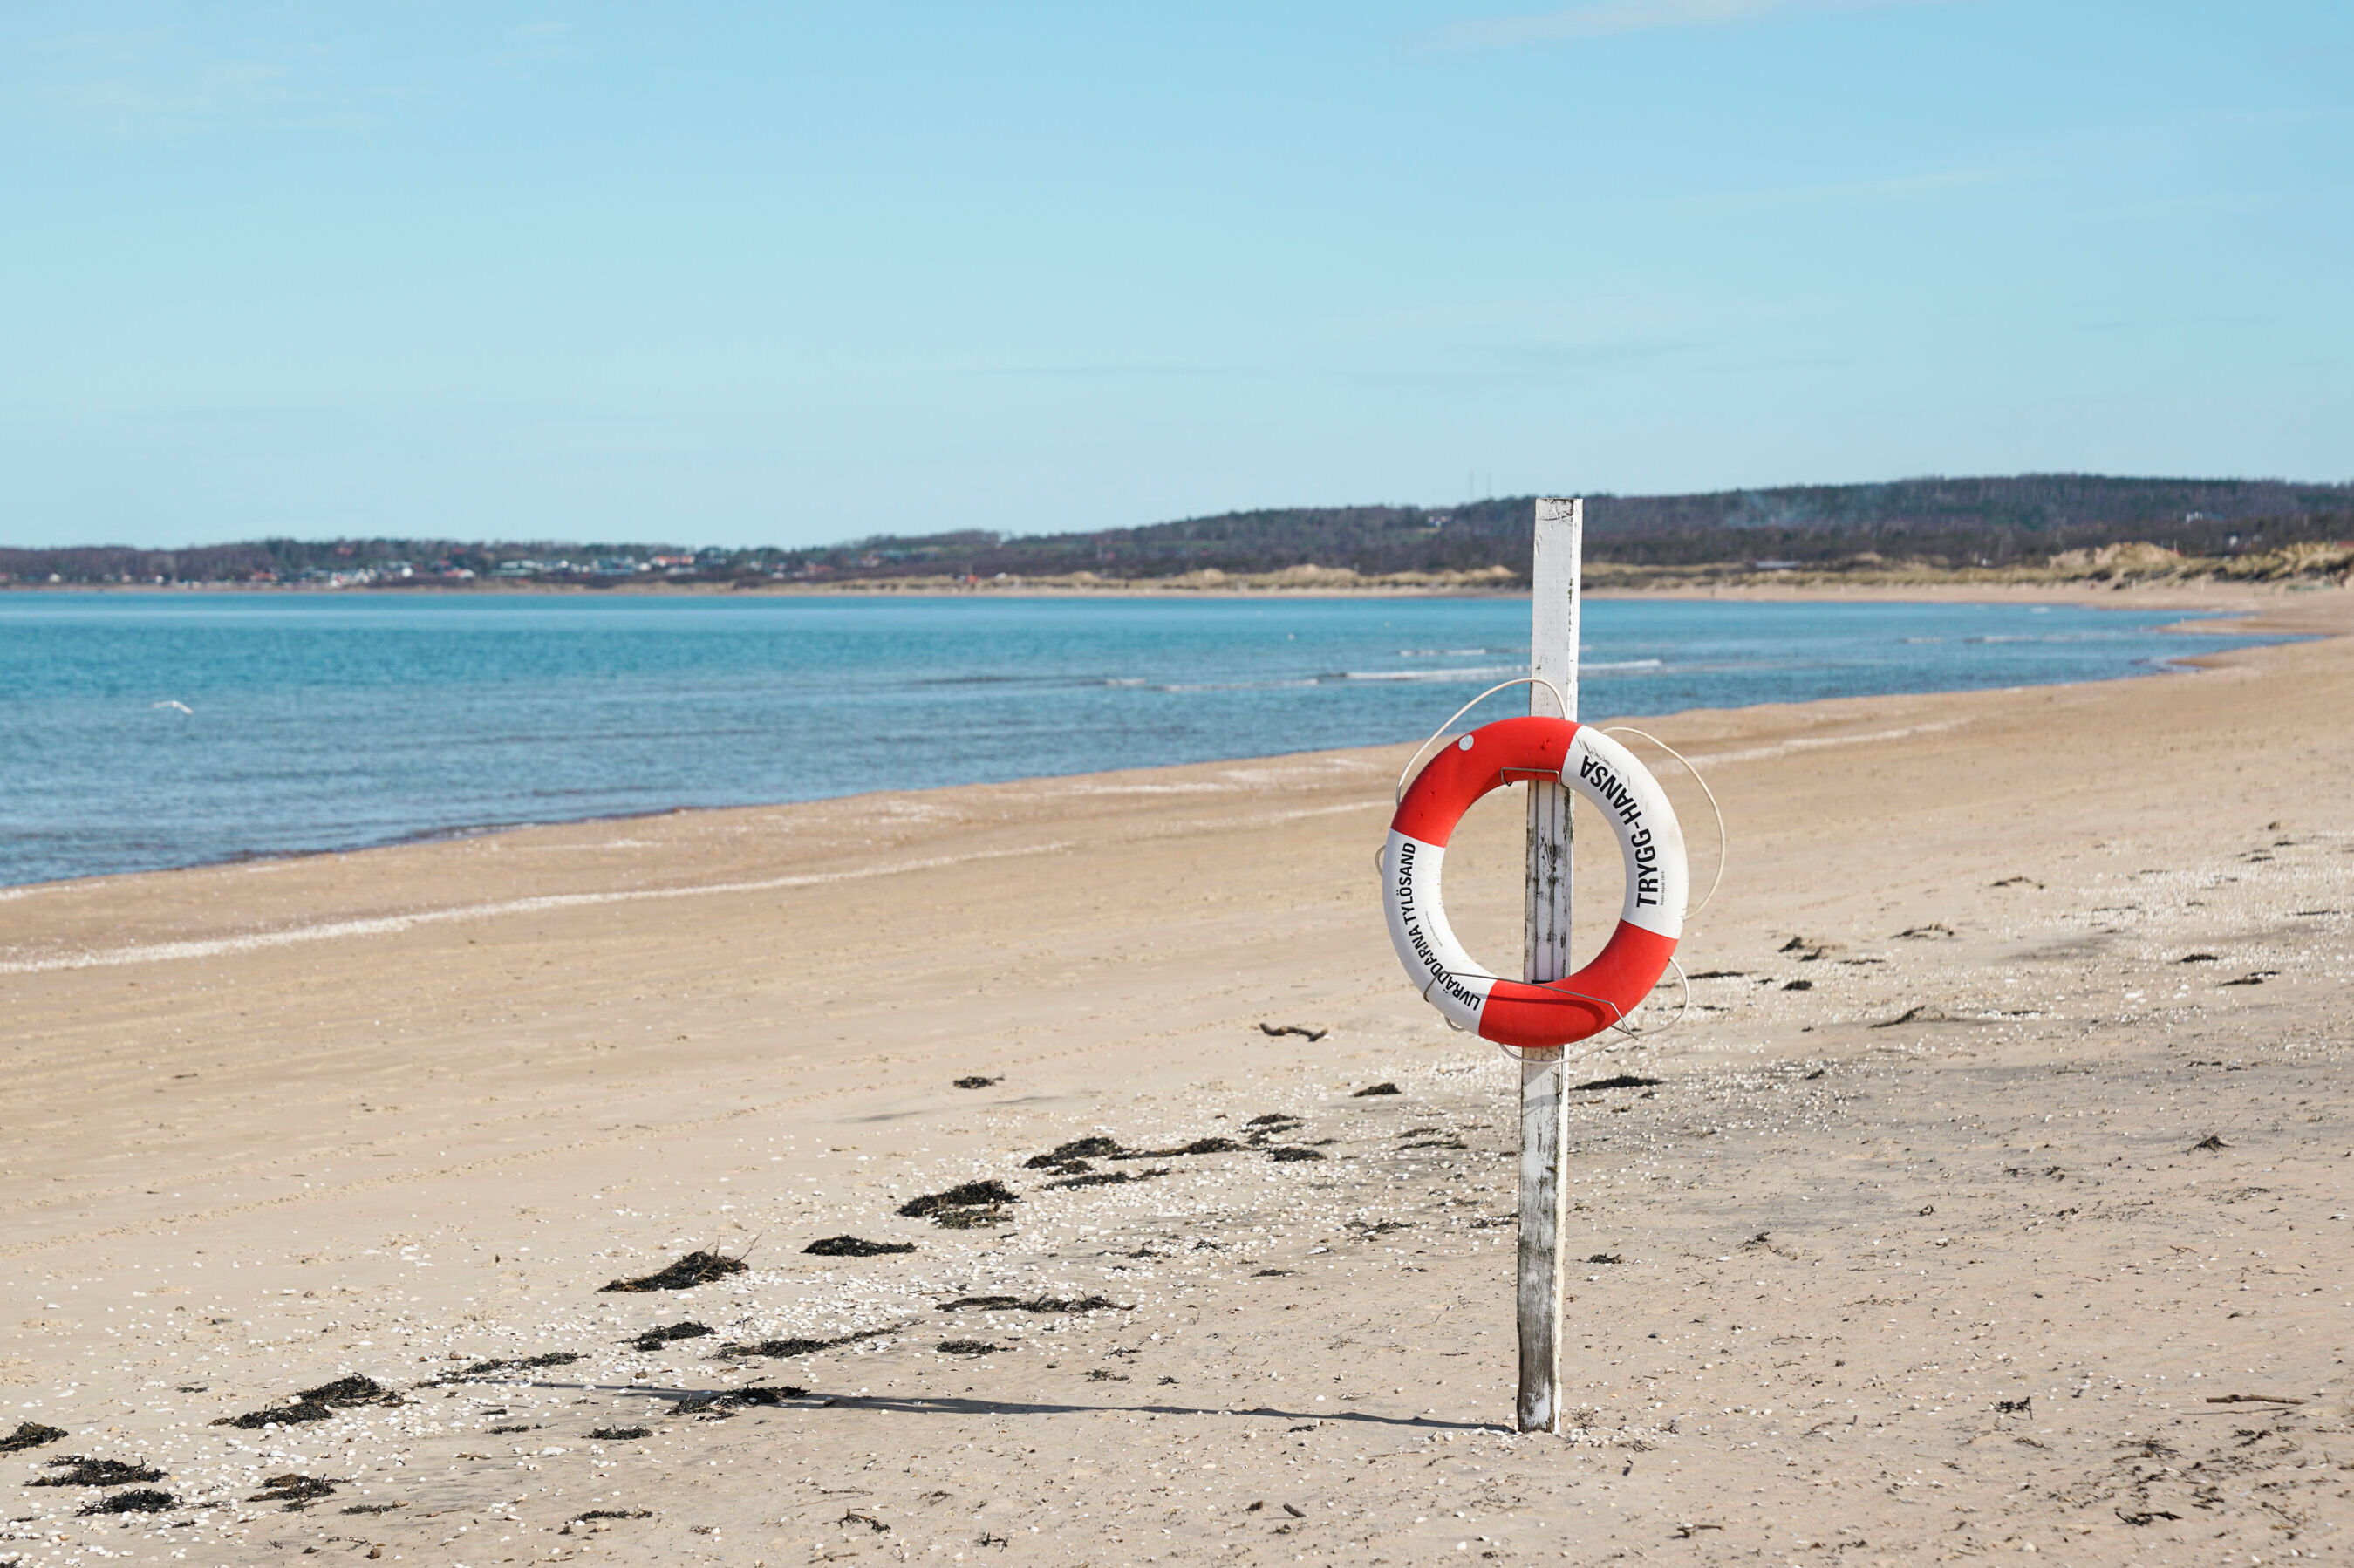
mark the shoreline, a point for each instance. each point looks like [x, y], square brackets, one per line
[2257, 611]
[1951, 1173]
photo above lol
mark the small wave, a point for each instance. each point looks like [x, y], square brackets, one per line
[1918, 639]
[1450, 652]
[1472, 675]
[1236, 685]
[1484, 671]
[1124, 681]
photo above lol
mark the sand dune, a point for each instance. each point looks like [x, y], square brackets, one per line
[1993, 1194]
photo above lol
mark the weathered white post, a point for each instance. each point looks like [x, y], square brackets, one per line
[1544, 1108]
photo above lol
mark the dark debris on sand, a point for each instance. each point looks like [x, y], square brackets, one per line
[1623, 1081]
[695, 1269]
[523, 1363]
[295, 1490]
[1274, 1125]
[145, 1500]
[1198, 1146]
[1372, 1090]
[854, 1247]
[964, 1206]
[1289, 1153]
[77, 1471]
[798, 1347]
[977, 1081]
[1035, 1304]
[968, 1348]
[654, 1338]
[728, 1401]
[29, 1434]
[596, 1513]
[318, 1404]
[1077, 1153]
[970, 1219]
[372, 1507]
[618, 1434]
[1278, 1031]
[1109, 1177]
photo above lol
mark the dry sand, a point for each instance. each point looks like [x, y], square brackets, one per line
[1992, 1197]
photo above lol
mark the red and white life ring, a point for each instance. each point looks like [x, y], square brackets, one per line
[1650, 843]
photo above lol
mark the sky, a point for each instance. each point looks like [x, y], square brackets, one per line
[792, 274]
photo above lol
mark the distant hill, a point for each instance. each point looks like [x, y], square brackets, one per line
[1937, 522]
[1942, 522]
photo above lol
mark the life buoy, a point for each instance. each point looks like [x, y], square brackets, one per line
[1650, 843]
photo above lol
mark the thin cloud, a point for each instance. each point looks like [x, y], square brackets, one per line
[1615, 18]
[1898, 187]
[162, 80]
[1111, 369]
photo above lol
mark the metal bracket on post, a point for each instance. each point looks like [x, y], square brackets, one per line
[1545, 956]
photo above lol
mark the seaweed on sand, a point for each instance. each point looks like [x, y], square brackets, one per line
[145, 1500]
[1198, 1146]
[854, 1247]
[963, 1206]
[1035, 1304]
[695, 1269]
[318, 1404]
[654, 1338]
[80, 1472]
[295, 1490]
[1274, 1124]
[29, 1434]
[798, 1347]
[727, 1401]
[1075, 1153]
[521, 1363]
[1109, 1177]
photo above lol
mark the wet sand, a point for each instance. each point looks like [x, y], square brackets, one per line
[1992, 1195]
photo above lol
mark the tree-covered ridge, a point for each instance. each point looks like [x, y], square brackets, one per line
[1942, 522]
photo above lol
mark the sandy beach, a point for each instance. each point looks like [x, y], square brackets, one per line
[1992, 1195]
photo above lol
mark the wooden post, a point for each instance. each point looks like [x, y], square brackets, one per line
[1544, 1108]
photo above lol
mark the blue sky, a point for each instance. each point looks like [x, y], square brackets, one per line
[792, 273]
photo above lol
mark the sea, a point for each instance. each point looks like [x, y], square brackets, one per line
[139, 731]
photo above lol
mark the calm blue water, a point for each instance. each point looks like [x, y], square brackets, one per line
[325, 721]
